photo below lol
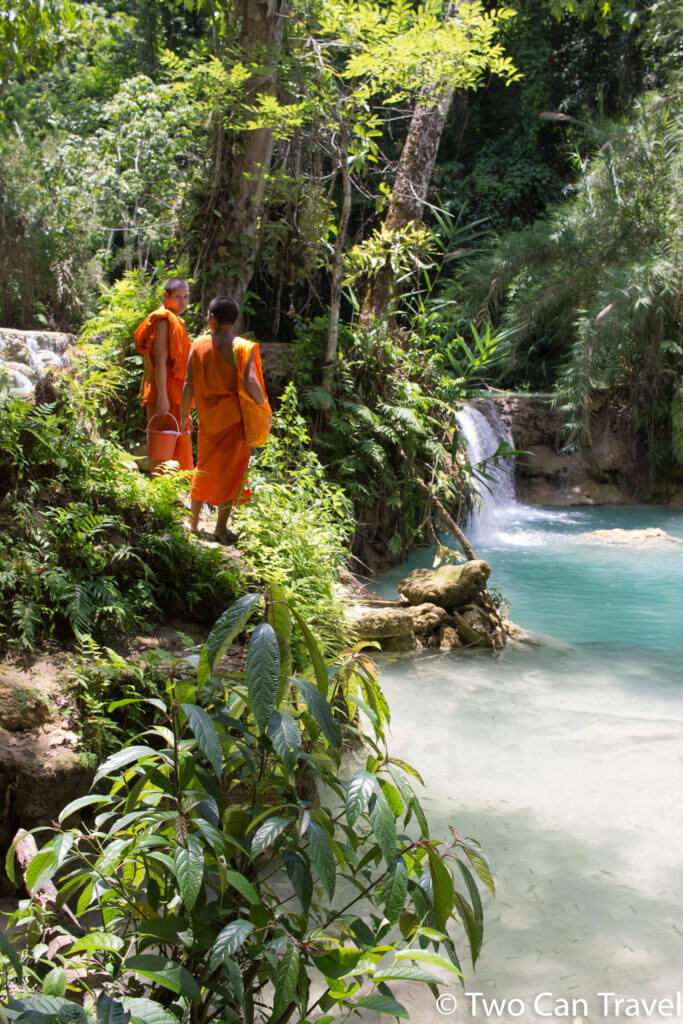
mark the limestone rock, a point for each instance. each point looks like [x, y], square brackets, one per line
[449, 586]
[426, 617]
[651, 535]
[390, 624]
[449, 639]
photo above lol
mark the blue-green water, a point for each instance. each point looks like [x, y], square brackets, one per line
[564, 758]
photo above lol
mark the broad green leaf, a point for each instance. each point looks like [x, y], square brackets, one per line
[479, 862]
[206, 735]
[263, 673]
[384, 826]
[98, 941]
[228, 626]
[279, 616]
[358, 793]
[299, 875]
[285, 737]
[267, 833]
[188, 864]
[286, 980]
[405, 972]
[10, 952]
[146, 1011]
[317, 660]
[234, 975]
[426, 956]
[111, 1011]
[82, 801]
[121, 758]
[396, 897]
[243, 886]
[382, 1004]
[323, 857]
[442, 889]
[165, 972]
[40, 870]
[230, 939]
[321, 711]
[474, 929]
[54, 982]
[338, 963]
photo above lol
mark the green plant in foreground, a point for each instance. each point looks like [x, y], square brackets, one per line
[214, 884]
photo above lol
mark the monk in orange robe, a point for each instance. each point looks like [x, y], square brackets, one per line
[217, 361]
[165, 344]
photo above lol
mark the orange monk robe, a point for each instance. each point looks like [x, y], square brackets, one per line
[222, 452]
[178, 354]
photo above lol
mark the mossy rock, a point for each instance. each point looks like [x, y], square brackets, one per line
[449, 586]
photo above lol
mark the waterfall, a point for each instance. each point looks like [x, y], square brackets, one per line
[494, 481]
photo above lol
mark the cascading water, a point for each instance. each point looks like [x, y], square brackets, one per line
[494, 481]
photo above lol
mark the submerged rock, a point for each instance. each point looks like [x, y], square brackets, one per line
[449, 586]
[652, 534]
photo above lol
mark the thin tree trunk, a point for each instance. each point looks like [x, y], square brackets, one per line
[335, 291]
[412, 181]
[230, 225]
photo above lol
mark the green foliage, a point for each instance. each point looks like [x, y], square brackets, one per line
[387, 427]
[88, 545]
[29, 32]
[295, 530]
[216, 886]
[590, 296]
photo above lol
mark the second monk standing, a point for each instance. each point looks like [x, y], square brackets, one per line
[217, 361]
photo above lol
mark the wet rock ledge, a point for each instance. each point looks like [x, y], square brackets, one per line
[448, 608]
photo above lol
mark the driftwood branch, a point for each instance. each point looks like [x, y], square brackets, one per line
[447, 520]
[25, 850]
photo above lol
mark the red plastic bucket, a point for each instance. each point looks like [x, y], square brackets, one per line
[161, 443]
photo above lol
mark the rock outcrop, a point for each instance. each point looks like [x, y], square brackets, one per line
[41, 765]
[447, 608]
[609, 468]
[26, 356]
[449, 586]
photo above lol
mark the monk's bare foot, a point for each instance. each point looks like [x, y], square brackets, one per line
[227, 536]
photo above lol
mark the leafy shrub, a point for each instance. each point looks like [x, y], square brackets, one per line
[86, 544]
[295, 531]
[387, 429]
[215, 885]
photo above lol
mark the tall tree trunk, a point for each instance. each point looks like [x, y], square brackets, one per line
[242, 161]
[336, 284]
[412, 181]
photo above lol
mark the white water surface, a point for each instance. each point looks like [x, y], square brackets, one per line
[564, 759]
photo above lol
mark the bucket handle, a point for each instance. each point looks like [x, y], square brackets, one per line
[158, 414]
